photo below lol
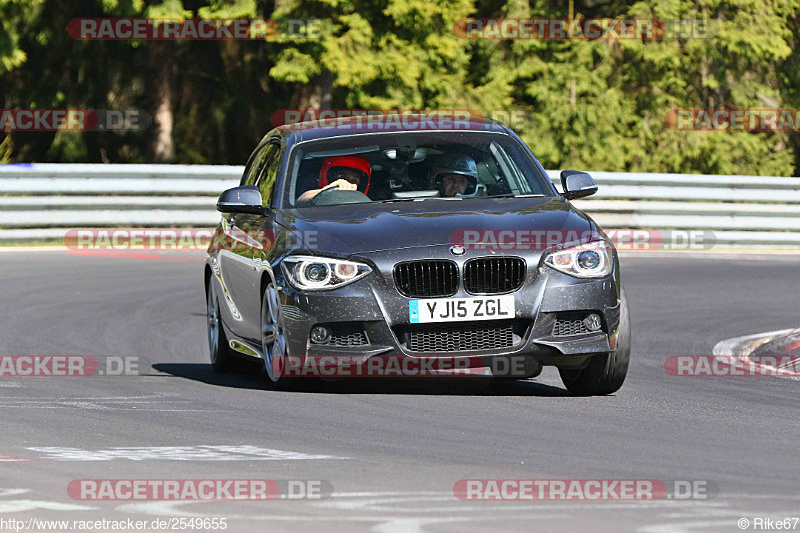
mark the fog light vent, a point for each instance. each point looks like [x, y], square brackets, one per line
[320, 335]
[593, 322]
[343, 334]
[569, 324]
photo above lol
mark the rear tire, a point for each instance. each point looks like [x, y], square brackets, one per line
[222, 356]
[606, 372]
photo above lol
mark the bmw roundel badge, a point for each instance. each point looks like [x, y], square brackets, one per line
[457, 250]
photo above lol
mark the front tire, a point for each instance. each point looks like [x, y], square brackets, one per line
[273, 337]
[222, 356]
[606, 372]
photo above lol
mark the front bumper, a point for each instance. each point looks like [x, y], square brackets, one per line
[374, 304]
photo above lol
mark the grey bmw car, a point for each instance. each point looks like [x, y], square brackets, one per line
[422, 239]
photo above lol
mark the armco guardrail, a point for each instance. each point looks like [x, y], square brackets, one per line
[42, 201]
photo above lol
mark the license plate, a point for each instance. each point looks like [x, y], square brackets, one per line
[458, 309]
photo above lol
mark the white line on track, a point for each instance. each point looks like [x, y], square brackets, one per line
[734, 346]
[741, 347]
[90, 398]
[161, 403]
[4, 493]
[394, 512]
[175, 453]
[756, 255]
[21, 506]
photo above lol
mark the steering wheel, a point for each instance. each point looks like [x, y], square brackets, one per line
[497, 188]
[333, 196]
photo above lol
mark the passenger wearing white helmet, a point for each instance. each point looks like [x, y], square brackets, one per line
[454, 175]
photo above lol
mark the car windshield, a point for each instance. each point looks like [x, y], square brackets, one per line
[408, 166]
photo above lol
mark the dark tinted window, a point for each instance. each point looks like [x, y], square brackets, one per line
[268, 173]
[410, 164]
[254, 165]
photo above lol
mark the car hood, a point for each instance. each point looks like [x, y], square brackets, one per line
[362, 228]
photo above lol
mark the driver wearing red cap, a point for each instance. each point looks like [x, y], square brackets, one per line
[347, 172]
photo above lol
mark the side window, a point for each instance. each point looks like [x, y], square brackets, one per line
[254, 166]
[268, 174]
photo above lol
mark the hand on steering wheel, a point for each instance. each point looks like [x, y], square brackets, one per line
[334, 195]
[342, 185]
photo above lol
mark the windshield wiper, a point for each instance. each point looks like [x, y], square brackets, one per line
[512, 195]
[416, 198]
[392, 200]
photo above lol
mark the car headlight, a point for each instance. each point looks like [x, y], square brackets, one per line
[589, 260]
[309, 273]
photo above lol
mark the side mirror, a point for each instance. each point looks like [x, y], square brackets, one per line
[244, 199]
[577, 184]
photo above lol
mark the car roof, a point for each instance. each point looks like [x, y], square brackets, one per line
[391, 123]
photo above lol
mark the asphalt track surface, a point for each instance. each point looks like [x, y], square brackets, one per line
[391, 450]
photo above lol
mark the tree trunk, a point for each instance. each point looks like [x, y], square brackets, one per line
[326, 89]
[162, 149]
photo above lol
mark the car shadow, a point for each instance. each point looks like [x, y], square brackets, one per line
[252, 377]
